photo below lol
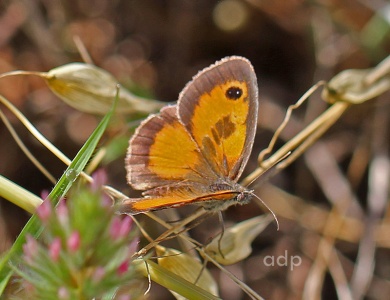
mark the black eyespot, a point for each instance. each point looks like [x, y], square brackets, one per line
[234, 93]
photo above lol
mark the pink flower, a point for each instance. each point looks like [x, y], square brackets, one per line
[55, 249]
[99, 179]
[74, 241]
[133, 246]
[123, 267]
[120, 228]
[62, 212]
[30, 248]
[63, 293]
[44, 194]
[125, 226]
[98, 274]
[44, 210]
[106, 201]
[115, 228]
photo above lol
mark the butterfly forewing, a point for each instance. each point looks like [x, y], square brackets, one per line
[161, 153]
[219, 109]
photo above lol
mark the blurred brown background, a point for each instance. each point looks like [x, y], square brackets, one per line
[155, 47]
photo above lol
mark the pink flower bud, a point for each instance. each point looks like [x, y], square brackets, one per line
[115, 228]
[62, 212]
[98, 274]
[74, 241]
[30, 248]
[106, 201]
[44, 211]
[63, 293]
[123, 267]
[44, 194]
[99, 179]
[120, 228]
[125, 226]
[133, 246]
[55, 249]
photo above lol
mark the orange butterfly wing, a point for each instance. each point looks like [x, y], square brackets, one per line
[179, 154]
[219, 109]
[161, 153]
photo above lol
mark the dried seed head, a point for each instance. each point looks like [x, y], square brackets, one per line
[236, 241]
[92, 90]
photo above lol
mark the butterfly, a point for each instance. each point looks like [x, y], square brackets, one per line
[194, 152]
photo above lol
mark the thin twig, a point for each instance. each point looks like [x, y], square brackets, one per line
[25, 150]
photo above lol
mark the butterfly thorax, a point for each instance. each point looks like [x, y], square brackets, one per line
[231, 192]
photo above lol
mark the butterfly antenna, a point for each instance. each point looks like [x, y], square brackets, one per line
[270, 210]
[269, 168]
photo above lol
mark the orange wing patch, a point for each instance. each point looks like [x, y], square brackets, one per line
[219, 109]
[172, 139]
[161, 153]
[221, 133]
